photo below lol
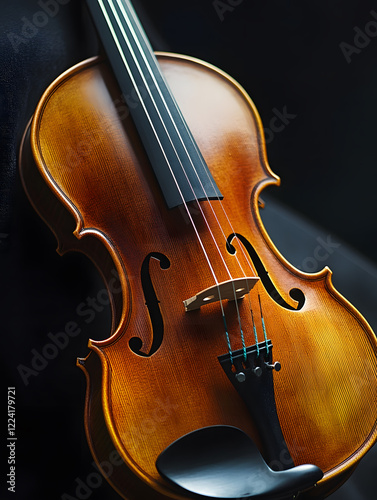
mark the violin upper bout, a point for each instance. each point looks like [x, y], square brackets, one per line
[224, 122]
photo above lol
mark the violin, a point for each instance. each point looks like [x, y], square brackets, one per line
[227, 373]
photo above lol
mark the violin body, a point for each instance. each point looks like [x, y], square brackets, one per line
[156, 377]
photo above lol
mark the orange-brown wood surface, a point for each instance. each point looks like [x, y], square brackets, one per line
[89, 154]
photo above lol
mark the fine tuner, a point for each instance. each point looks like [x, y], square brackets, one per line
[241, 376]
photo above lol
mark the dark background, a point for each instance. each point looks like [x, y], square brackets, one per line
[287, 55]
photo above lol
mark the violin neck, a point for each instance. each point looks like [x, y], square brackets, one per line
[180, 169]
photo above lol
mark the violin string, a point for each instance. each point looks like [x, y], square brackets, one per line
[236, 257]
[263, 325]
[219, 200]
[189, 157]
[193, 166]
[255, 331]
[185, 125]
[244, 273]
[116, 40]
[142, 33]
[238, 261]
[240, 265]
[135, 38]
[108, 21]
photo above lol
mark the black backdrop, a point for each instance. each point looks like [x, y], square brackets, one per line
[315, 63]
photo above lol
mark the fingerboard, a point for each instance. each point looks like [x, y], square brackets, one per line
[179, 167]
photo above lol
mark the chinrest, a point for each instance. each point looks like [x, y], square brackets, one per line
[223, 462]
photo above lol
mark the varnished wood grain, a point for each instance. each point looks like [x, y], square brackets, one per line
[87, 151]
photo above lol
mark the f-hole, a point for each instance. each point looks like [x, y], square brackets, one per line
[296, 294]
[152, 303]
